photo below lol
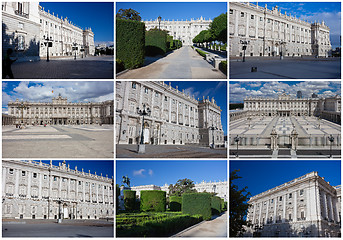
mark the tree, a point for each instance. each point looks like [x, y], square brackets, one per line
[181, 186]
[126, 180]
[238, 206]
[128, 14]
[218, 28]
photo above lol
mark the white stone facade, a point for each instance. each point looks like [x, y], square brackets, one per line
[307, 206]
[181, 30]
[176, 118]
[221, 188]
[26, 26]
[35, 190]
[61, 112]
[272, 33]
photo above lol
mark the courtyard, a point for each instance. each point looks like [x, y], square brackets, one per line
[99, 67]
[170, 151]
[254, 137]
[58, 141]
[288, 68]
[49, 228]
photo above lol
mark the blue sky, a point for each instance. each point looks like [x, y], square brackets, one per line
[238, 91]
[175, 10]
[261, 176]
[215, 89]
[143, 172]
[44, 91]
[97, 15]
[330, 12]
[98, 166]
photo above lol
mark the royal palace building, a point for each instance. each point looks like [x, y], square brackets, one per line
[174, 118]
[184, 31]
[61, 112]
[284, 106]
[33, 33]
[265, 32]
[36, 190]
[307, 206]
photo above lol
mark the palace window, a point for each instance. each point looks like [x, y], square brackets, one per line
[252, 17]
[290, 195]
[289, 216]
[146, 90]
[34, 175]
[261, 19]
[231, 11]
[21, 43]
[11, 171]
[280, 198]
[272, 200]
[134, 85]
[55, 178]
[23, 173]
[156, 94]
[268, 20]
[165, 98]
[301, 192]
[242, 14]
[79, 183]
[45, 177]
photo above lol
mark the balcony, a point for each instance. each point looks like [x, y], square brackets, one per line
[25, 15]
[9, 194]
[22, 195]
[302, 219]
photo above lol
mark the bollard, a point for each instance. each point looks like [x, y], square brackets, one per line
[253, 69]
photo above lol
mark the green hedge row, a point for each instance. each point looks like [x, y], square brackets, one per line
[130, 37]
[216, 205]
[155, 42]
[223, 67]
[197, 203]
[129, 200]
[153, 201]
[159, 227]
[202, 53]
[175, 203]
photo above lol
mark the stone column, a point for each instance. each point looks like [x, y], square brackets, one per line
[97, 192]
[256, 27]
[170, 108]
[90, 192]
[68, 189]
[260, 216]
[247, 26]
[28, 184]
[16, 186]
[177, 111]
[162, 105]
[40, 186]
[331, 217]
[84, 190]
[60, 187]
[254, 214]
[295, 208]
[275, 206]
[4, 171]
[284, 208]
[266, 220]
[77, 190]
[236, 24]
[325, 213]
[103, 194]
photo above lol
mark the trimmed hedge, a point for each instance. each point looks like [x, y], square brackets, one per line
[117, 196]
[216, 205]
[223, 67]
[177, 43]
[175, 203]
[197, 203]
[130, 37]
[129, 200]
[155, 42]
[161, 225]
[222, 204]
[153, 201]
[202, 53]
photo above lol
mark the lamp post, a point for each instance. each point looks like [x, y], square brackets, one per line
[245, 44]
[331, 139]
[48, 44]
[22, 106]
[213, 128]
[237, 140]
[75, 49]
[159, 22]
[144, 112]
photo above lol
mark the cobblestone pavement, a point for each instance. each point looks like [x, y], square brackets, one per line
[49, 228]
[183, 63]
[214, 228]
[86, 68]
[58, 141]
[169, 151]
[289, 68]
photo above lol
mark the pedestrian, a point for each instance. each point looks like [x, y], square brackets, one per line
[6, 65]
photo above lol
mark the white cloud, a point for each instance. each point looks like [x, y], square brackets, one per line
[139, 173]
[151, 172]
[331, 19]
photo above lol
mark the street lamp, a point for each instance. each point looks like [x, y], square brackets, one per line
[144, 112]
[331, 139]
[48, 44]
[245, 44]
[159, 22]
[74, 49]
[236, 139]
[213, 128]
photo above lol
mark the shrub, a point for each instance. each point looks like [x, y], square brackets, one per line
[170, 43]
[177, 44]
[129, 200]
[153, 201]
[225, 206]
[155, 42]
[223, 67]
[222, 204]
[119, 65]
[197, 203]
[216, 205]
[202, 53]
[130, 37]
[175, 203]
[117, 196]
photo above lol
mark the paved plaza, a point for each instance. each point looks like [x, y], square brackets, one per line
[169, 151]
[84, 68]
[217, 227]
[58, 141]
[255, 137]
[184, 63]
[49, 228]
[288, 68]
